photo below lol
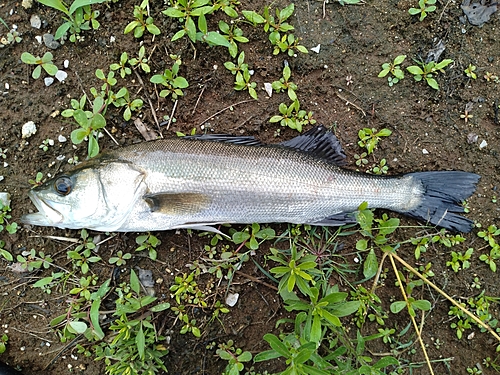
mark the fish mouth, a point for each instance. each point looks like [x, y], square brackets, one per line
[46, 215]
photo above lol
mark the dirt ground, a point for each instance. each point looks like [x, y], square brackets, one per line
[339, 84]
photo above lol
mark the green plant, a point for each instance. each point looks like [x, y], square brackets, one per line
[83, 255]
[30, 261]
[297, 270]
[5, 216]
[250, 236]
[394, 69]
[171, 80]
[292, 116]
[141, 60]
[121, 66]
[122, 99]
[44, 62]
[369, 138]
[120, 259]
[494, 252]
[234, 356]
[233, 35]
[469, 71]
[143, 21]
[148, 242]
[3, 343]
[186, 10]
[425, 6]
[79, 16]
[90, 122]
[13, 36]
[491, 77]
[427, 71]
[460, 261]
[285, 85]
[37, 181]
[46, 144]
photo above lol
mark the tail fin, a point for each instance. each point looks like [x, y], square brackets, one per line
[444, 192]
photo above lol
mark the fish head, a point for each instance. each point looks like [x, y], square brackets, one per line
[94, 196]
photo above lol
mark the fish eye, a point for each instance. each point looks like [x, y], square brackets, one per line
[63, 185]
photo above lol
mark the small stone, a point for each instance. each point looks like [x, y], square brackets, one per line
[483, 144]
[316, 49]
[39, 39]
[60, 158]
[61, 138]
[61, 75]
[66, 64]
[269, 89]
[27, 4]
[472, 138]
[5, 164]
[5, 199]
[232, 299]
[35, 21]
[425, 152]
[7, 86]
[28, 129]
[48, 81]
[48, 40]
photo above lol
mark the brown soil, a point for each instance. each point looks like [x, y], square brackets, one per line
[339, 84]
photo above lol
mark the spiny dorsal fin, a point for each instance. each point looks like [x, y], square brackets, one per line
[177, 203]
[320, 142]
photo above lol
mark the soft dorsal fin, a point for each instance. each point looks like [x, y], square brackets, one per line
[320, 142]
[246, 140]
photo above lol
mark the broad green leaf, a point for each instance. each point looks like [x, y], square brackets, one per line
[173, 12]
[98, 121]
[62, 30]
[202, 24]
[397, 306]
[180, 82]
[191, 29]
[422, 304]
[253, 17]
[56, 4]
[78, 135]
[432, 83]
[81, 118]
[286, 12]
[28, 58]
[140, 341]
[399, 59]
[81, 3]
[266, 355]
[414, 69]
[77, 327]
[36, 72]
[217, 39]
[93, 147]
[386, 361]
[370, 265]
[383, 73]
[160, 307]
[94, 318]
[277, 345]
[135, 284]
[131, 26]
[51, 69]
[153, 29]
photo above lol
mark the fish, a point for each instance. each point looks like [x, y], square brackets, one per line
[199, 182]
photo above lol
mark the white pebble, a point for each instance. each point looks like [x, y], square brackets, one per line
[7, 86]
[483, 144]
[425, 152]
[66, 64]
[35, 21]
[61, 138]
[5, 164]
[112, 39]
[316, 49]
[60, 158]
[28, 129]
[232, 298]
[61, 75]
[269, 88]
[48, 81]
[39, 39]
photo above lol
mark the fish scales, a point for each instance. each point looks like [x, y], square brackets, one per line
[260, 184]
[197, 182]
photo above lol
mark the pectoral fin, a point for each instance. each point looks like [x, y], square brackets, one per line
[177, 203]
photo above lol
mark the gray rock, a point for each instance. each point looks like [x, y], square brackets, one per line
[48, 40]
[35, 21]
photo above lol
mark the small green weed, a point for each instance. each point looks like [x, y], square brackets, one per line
[148, 242]
[143, 21]
[427, 71]
[4, 339]
[369, 138]
[284, 84]
[171, 80]
[394, 69]
[44, 62]
[13, 36]
[292, 116]
[234, 356]
[425, 7]
[469, 71]
[79, 17]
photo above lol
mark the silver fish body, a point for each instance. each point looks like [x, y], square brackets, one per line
[195, 183]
